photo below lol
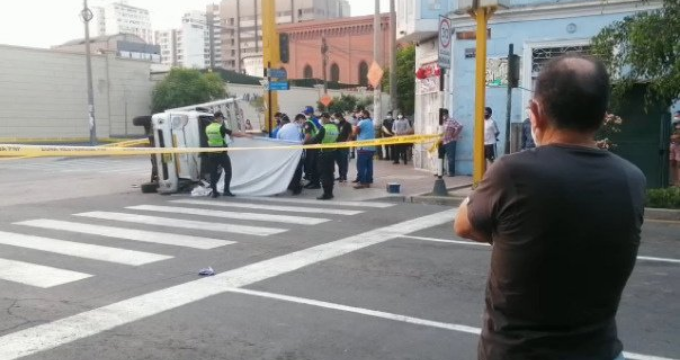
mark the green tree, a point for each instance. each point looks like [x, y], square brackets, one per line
[344, 103]
[406, 79]
[183, 87]
[644, 47]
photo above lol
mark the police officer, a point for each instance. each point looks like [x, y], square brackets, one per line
[215, 133]
[328, 134]
[311, 136]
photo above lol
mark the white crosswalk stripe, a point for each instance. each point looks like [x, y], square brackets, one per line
[232, 215]
[378, 205]
[290, 209]
[188, 241]
[86, 251]
[37, 275]
[184, 224]
[290, 213]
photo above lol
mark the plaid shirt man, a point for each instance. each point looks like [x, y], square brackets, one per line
[452, 130]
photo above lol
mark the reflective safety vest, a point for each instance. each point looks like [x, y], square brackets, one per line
[331, 134]
[315, 129]
[214, 133]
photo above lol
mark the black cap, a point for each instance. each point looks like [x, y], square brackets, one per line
[325, 115]
[218, 114]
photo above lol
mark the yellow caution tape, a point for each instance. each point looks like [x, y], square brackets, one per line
[16, 150]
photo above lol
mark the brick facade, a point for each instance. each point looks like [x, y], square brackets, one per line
[350, 48]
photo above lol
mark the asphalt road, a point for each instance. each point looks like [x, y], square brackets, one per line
[85, 274]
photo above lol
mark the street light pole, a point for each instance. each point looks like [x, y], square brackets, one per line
[481, 15]
[377, 34]
[86, 14]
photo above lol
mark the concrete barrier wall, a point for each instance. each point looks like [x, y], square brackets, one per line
[43, 94]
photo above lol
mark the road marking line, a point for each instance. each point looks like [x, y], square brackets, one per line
[37, 275]
[66, 330]
[396, 317]
[293, 209]
[183, 224]
[286, 219]
[189, 241]
[473, 243]
[651, 258]
[645, 258]
[378, 205]
[362, 311]
[76, 249]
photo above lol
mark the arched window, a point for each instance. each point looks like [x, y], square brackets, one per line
[363, 73]
[307, 73]
[335, 72]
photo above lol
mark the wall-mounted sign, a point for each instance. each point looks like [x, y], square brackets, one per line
[444, 43]
[470, 35]
[470, 53]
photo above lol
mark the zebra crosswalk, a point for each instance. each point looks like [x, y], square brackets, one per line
[113, 230]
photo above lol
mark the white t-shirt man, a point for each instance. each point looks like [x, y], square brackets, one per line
[490, 130]
[290, 132]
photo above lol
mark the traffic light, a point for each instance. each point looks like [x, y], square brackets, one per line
[513, 71]
[283, 48]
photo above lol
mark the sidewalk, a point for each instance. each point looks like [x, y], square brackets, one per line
[414, 182]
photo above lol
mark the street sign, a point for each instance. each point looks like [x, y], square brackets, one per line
[278, 85]
[277, 74]
[444, 43]
[326, 100]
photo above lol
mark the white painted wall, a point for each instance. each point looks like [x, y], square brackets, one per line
[43, 94]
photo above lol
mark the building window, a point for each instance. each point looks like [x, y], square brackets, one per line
[307, 73]
[335, 72]
[233, 52]
[363, 73]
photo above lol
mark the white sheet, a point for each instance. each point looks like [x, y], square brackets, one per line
[261, 172]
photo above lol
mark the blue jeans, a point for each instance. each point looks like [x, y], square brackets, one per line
[365, 166]
[451, 157]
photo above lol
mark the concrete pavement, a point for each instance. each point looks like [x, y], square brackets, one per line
[371, 280]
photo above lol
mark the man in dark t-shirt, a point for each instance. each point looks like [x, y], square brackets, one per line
[564, 220]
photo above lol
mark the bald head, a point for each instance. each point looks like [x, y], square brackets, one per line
[573, 92]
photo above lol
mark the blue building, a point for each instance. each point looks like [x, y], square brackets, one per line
[539, 30]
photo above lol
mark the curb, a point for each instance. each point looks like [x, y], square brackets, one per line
[650, 213]
[662, 214]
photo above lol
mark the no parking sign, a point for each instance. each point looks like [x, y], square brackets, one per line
[444, 43]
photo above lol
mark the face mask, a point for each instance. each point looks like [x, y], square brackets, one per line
[336, 121]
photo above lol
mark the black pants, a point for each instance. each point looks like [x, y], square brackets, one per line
[342, 158]
[295, 184]
[215, 160]
[389, 150]
[400, 153]
[312, 165]
[327, 170]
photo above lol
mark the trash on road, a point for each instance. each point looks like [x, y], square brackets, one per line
[207, 271]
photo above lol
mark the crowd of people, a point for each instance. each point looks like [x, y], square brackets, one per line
[318, 166]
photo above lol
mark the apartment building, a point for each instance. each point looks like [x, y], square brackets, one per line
[121, 18]
[188, 46]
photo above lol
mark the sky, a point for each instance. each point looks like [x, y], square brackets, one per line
[44, 23]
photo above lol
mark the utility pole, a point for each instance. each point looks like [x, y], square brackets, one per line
[481, 15]
[324, 62]
[393, 57]
[377, 34]
[271, 55]
[87, 16]
[508, 108]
